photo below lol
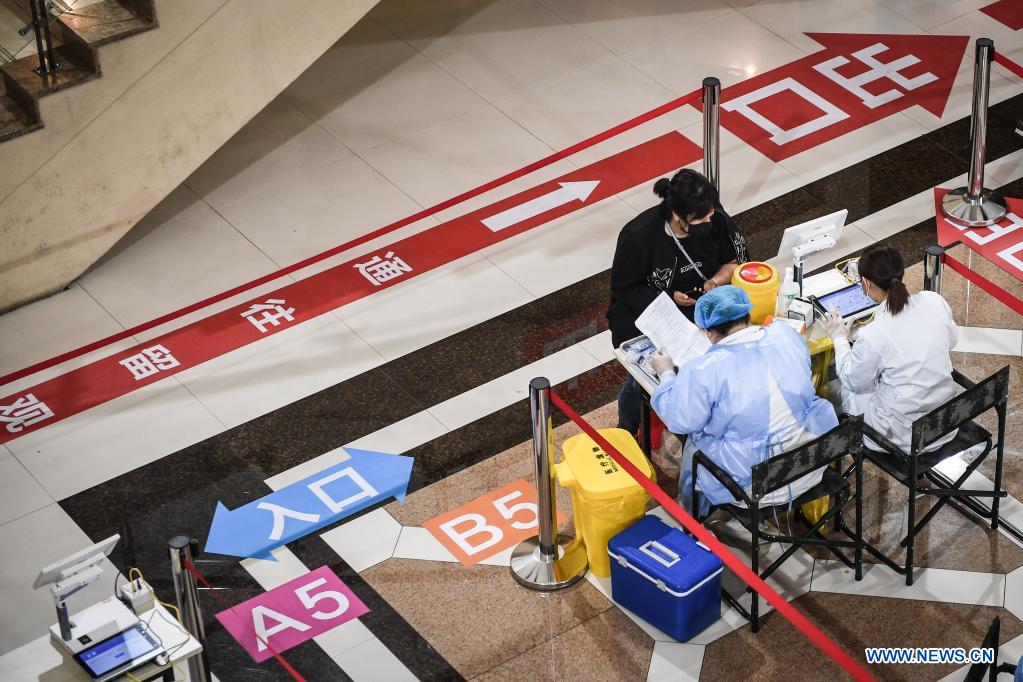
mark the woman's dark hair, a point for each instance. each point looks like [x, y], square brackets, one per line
[688, 194]
[726, 328]
[883, 266]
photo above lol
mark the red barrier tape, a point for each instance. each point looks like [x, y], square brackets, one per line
[297, 676]
[733, 562]
[1009, 64]
[387, 229]
[999, 293]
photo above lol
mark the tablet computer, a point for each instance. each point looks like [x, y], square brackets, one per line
[849, 301]
[119, 654]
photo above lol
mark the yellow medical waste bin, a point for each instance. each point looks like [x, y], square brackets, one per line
[761, 283]
[605, 498]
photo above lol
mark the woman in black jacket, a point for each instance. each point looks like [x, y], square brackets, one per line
[685, 246]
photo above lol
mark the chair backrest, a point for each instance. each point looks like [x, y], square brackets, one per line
[780, 470]
[972, 402]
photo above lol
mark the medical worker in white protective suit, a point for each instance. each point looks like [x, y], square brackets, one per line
[900, 368]
[748, 398]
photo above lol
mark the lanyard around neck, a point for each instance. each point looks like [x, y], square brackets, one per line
[681, 248]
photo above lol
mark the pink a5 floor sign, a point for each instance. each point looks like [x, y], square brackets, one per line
[108, 378]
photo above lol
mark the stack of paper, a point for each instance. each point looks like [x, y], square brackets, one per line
[664, 324]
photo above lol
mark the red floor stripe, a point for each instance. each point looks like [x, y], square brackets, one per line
[387, 229]
[107, 378]
[996, 291]
[833, 651]
[1008, 12]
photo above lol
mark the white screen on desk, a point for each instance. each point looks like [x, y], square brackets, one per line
[847, 301]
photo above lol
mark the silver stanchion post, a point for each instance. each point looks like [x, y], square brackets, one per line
[932, 267]
[974, 206]
[187, 595]
[711, 128]
[541, 562]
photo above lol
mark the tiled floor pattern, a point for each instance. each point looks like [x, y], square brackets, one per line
[344, 150]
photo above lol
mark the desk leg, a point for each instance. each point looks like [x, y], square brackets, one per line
[644, 425]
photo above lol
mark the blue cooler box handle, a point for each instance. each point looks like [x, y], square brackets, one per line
[660, 553]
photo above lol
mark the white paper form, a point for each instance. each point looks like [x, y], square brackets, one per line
[664, 324]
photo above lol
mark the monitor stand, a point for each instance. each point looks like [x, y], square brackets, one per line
[94, 624]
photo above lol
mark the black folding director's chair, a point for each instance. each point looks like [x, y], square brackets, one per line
[905, 468]
[778, 472]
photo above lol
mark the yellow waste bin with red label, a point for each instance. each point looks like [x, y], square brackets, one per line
[605, 498]
[761, 283]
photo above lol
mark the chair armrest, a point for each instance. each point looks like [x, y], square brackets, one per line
[722, 477]
[962, 379]
[883, 441]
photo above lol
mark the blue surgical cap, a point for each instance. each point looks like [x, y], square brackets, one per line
[720, 305]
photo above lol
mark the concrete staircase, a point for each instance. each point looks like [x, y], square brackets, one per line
[102, 154]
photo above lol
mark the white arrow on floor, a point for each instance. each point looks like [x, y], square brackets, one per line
[567, 193]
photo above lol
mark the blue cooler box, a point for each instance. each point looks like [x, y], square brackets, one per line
[665, 577]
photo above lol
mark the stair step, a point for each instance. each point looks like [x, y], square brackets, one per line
[34, 85]
[14, 120]
[103, 22]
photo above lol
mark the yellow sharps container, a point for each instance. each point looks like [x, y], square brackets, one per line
[605, 498]
[761, 282]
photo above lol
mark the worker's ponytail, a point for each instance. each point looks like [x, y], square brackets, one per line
[884, 267]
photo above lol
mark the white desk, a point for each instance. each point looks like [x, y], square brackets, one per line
[44, 660]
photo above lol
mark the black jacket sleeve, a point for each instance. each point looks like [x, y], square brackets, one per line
[738, 241]
[629, 271]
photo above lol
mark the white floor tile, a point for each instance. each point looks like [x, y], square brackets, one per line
[976, 24]
[456, 155]
[791, 19]
[270, 574]
[44, 329]
[563, 251]
[991, 341]
[20, 494]
[502, 558]
[492, 396]
[930, 584]
[280, 369]
[314, 209]
[365, 541]
[114, 438]
[675, 662]
[371, 661]
[567, 109]
[34, 541]
[371, 88]
[400, 437]
[599, 347]
[930, 13]
[1014, 592]
[853, 147]
[494, 48]
[418, 543]
[623, 26]
[604, 586]
[180, 253]
[280, 143]
[408, 316]
[897, 217]
[343, 638]
[752, 50]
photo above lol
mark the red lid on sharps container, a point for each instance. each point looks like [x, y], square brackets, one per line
[755, 273]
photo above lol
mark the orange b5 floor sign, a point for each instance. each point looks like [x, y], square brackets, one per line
[489, 524]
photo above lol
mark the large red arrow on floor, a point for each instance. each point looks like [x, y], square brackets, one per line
[855, 80]
[123, 372]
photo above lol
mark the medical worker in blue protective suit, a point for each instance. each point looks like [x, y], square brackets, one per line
[748, 398]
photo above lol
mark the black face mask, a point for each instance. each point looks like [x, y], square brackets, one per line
[699, 229]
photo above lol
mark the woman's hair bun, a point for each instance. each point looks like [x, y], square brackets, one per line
[661, 187]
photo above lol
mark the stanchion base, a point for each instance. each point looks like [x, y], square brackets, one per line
[537, 572]
[987, 209]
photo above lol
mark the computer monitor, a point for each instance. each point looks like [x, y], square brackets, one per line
[813, 236]
[75, 563]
